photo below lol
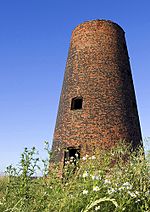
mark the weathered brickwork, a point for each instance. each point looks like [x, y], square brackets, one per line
[98, 70]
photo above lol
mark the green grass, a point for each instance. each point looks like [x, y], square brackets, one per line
[3, 185]
[111, 180]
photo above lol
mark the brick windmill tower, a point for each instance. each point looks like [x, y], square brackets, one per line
[97, 103]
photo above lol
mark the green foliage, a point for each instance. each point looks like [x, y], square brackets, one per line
[3, 184]
[105, 181]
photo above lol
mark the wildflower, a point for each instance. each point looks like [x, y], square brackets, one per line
[137, 193]
[132, 194]
[93, 157]
[96, 188]
[138, 200]
[95, 177]
[127, 185]
[85, 174]
[76, 155]
[84, 158]
[85, 192]
[107, 181]
[71, 159]
[67, 162]
[98, 177]
[97, 208]
[111, 190]
[121, 188]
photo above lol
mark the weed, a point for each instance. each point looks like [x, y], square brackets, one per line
[115, 180]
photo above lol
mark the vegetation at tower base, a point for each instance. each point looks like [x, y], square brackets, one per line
[103, 181]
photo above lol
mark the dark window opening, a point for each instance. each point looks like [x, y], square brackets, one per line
[72, 155]
[76, 103]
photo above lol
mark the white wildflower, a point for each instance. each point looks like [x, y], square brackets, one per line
[67, 162]
[84, 158]
[138, 200]
[85, 192]
[107, 181]
[137, 193]
[97, 208]
[96, 188]
[95, 177]
[121, 188]
[111, 190]
[132, 194]
[93, 157]
[76, 155]
[85, 174]
[127, 185]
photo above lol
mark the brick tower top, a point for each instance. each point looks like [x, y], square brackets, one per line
[98, 22]
[97, 103]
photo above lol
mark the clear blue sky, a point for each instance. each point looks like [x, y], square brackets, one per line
[34, 42]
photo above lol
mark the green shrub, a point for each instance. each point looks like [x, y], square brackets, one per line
[105, 180]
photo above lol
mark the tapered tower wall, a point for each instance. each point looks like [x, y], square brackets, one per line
[98, 71]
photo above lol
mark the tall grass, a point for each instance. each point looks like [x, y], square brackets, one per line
[114, 180]
[3, 185]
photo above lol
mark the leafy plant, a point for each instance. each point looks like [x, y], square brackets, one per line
[105, 180]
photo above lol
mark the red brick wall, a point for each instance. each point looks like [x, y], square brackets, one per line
[97, 69]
